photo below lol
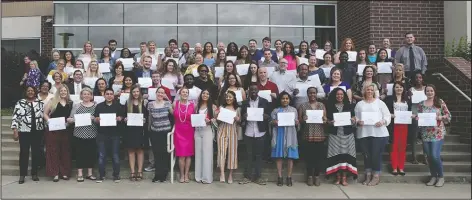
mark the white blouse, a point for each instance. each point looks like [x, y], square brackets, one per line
[371, 130]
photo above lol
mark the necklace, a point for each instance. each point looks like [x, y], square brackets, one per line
[185, 112]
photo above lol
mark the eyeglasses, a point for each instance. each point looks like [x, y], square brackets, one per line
[204, 71]
[283, 63]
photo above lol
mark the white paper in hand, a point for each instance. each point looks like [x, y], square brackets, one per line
[402, 117]
[107, 119]
[84, 119]
[418, 96]
[56, 124]
[314, 116]
[389, 89]
[352, 56]
[255, 114]
[232, 58]
[427, 119]
[342, 119]
[303, 60]
[371, 118]
[75, 98]
[242, 69]
[384, 67]
[135, 119]
[145, 82]
[286, 119]
[90, 81]
[124, 98]
[98, 99]
[226, 115]
[360, 69]
[198, 120]
[265, 94]
[152, 93]
[319, 54]
[104, 67]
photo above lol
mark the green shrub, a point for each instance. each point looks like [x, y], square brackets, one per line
[461, 49]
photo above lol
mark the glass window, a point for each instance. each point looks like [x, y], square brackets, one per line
[71, 13]
[309, 35]
[325, 15]
[309, 15]
[286, 15]
[9, 45]
[99, 36]
[22, 45]
[106, 14]
[193, 35]
[294, 35]
[145, 13]
[324, 34]
[70, 37]
[243, 14]
[241, 35]
[160, 35]
[197, 14]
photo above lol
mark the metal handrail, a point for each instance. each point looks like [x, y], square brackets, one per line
[454, 86]
[170, 149]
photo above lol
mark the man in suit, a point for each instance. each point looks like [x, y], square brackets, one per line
[76, 86]
[115, 54]
[254, 135]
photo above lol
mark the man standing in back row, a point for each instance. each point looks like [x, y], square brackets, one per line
[411, 56]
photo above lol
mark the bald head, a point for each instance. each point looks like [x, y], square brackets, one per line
[198, 48]
[221, 45]
[262, 73]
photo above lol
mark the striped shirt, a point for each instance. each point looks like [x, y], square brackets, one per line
[159, 117]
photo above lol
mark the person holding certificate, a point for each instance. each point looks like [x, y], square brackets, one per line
[58, 160]
[347, 45]
[204, 138]
[87, 54]
[105, 57]
[27, 125]
[159, 125]
[347, 67]
[369, 76]
[171, 72]
[313, 69]
[373, 117]
[134, 137]
[341, 143]
[335, 80]
[399, 132]
[382, 56]
[302, 83]
[128, 83]
[284, 138]
[232, 84]
[85, 134]
[251, 76]
[433, 137]
[227, 138]
[92, 71]
[117, 80]
[100, 87]
[398, 75]
[193, 91]
[418, 86]
[230, 68]
[184, 140]
[157, 83]
[204, 82]
[313, 137]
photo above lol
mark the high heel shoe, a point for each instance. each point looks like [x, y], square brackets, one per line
[21, 180]
[280, 181]
[132, 176]
[289, 181]
[139, 177]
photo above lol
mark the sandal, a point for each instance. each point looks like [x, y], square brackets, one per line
[375, 180]
[132, 177]
[344, 182]
[80, 179]
[368, 178]
[139, 177]
[182, 180]
[338, 180]
[91, 177]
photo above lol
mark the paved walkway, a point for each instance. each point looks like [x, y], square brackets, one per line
[147, 189]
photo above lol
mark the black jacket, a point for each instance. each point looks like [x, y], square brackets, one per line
[389, 102]
[263, 103]
[330, 110]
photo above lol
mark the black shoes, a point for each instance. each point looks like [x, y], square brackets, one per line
[280, 181]
[35, 177]
[289, 181]
[21, 180]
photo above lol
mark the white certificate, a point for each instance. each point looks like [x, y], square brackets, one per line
[104, 67]
[84, 119]
[127, 63]
[389, 89]
[219, 72]
[270, 71]
[303, 60]
[124, 98]
[427, 119]
[49, 79]
[384, 67]
[168, 83]
[242, 69]
[71, 70]
[58, 123]
[145, 82]
[75, 98]
[315, 80]
[342, 119]
[255, 114]
[116, 88]
[135, 119]
[107, 119]
[418, 96]
[86, 61]
[152, 93]
[232, 58]
[239, 95]
[302, 87]
[333, 87]
[265, 94]
[402, 117]
[153, 63]
[195, 72]
[314, 116]
[198, 120]
[90, 81]
[327, 71]
[352, 56]
[226, 115]
[286, 119]
[319, 54]
[360, 69]
[370, 118]
[98, 99]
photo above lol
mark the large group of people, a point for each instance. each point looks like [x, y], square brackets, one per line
[313, 104]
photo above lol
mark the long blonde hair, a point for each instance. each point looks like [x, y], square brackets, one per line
[34, 63]
[97, 74]
[92, 53]
[57, 98]
[130, 99]
[394, 73]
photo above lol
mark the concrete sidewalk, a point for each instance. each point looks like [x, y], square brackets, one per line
[146, 189]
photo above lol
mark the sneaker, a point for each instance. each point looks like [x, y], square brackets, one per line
[432, 181]
[116, 179]
[245, 181]
[101, 179]
[440, 182]
[260, 181]
[149, 169]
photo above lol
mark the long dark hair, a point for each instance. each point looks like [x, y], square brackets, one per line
[332, 98]
[72, 58]
[247, 80]
[378, 56]
[374, 73]
[235, 101]
[404, 96]
[248, 57]
[103, 54]
[299, 54]
[209, 104]
[235, 71]
[226, 86]
[292, 51]
[96, 92]
[279, 99]
[436, 100]
[204, 49]
[229, 52]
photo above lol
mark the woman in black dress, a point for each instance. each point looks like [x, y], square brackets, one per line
[135, 140]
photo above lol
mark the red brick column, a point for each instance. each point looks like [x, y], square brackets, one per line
[47, 32]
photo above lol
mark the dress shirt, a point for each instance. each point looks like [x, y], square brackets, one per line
[299, 100]
[252, 130]
[403, 57]
[77, 88]
[282, 79]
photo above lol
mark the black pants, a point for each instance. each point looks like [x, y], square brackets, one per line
[315, 158]
[267, 146]
[30, 140]
[161, 156]
[254, 150]
[85, 152]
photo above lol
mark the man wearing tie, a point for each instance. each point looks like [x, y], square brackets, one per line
[76, 86]
[411, 56]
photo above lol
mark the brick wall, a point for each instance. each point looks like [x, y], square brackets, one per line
[353, 22]
[46, 36]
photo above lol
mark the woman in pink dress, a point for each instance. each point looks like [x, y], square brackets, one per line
[290, 56]
[184, 133]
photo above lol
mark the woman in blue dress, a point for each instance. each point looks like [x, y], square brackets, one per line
[284, 138]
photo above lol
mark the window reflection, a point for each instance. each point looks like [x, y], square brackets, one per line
[194, 35]
[286, 15]
[309, 15]
[70, 37]
[22, 45]
[106, 14]
[242, 35]
[243, 14]
[309, 35]
[197, 14]
[324, 34]
[325, 15]
[161, 35]
[71, 13]
[146, 13]
[99, 36]
[294, 35]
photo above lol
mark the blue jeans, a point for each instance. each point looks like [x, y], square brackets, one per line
[104, 142]
[433, 151]
[372, 149]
